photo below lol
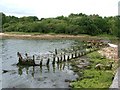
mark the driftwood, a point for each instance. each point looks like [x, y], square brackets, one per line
[27, 61]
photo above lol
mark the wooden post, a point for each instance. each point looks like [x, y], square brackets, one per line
[55, 51]
[64, 58]
[26, 55]
[20, 57]
[33, 59]
[48, 61]
[75, 54]
[53, 59]
[61, 58]
[41, 62]
[68, 58]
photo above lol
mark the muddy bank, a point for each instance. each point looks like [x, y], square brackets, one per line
[42, 36]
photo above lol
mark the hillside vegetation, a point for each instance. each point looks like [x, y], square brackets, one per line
[73, 24]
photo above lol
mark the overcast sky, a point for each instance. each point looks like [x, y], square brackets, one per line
[54, 8]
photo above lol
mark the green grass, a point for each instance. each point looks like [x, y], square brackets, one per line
[93, 78]
[107, 36]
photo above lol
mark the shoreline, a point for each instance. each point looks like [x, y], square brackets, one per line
[44, 36]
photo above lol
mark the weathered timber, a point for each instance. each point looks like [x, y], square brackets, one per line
[53, 59]
[48, 61]
[68, 58]
[64, 58]
[27, 61]
[61, 58]
[55, 51]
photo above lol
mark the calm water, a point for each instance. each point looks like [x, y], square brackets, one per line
[34, 77]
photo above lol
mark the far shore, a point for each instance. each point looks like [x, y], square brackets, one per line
[43, 36]
[24, 35]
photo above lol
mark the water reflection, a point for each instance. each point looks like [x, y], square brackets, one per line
[53, 65]
[20, 72]
[50, 68]
[34, 77]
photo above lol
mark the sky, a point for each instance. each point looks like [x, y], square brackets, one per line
[54, 8]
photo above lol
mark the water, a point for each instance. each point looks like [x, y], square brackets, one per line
[34, 77]
[0, 64]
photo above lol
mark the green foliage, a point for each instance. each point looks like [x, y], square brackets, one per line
[93, 78]
[73, 24]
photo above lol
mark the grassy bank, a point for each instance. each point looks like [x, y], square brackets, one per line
[93, 78]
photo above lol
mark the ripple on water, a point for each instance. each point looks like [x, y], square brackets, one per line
[34, 77]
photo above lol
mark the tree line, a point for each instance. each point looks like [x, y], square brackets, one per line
[73, 24]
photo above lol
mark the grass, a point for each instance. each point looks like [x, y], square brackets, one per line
[93, 78]
[107, 36]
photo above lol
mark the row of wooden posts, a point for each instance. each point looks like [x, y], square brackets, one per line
[57, 58]
[61, 57]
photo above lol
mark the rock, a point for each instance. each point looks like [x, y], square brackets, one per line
[66, 80]
[99, 66]
[5, 71]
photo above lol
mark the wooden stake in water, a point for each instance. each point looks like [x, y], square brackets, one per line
[55, 51]
[41, 62]
[64, 58]
[75, 54]
[61, 58]
[53, 59]
[20, 57]
[68, 58]
[48, 61]
[33, 59]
